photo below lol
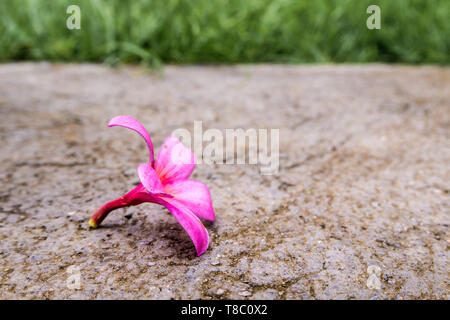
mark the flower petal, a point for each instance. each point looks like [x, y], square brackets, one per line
[174, 162]
[133, 124]
[193, 226]
[194, 195]
[150, 179]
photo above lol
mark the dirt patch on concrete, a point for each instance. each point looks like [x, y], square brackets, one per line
[363, 181]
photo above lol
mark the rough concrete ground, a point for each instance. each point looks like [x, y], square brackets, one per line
[363, 182]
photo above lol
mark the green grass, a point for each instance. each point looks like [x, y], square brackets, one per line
[226, 31]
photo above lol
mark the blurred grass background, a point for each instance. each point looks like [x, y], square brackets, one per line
[226, 31]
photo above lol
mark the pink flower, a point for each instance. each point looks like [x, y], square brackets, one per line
[166, 182]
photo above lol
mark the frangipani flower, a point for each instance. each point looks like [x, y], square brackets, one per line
[166, 182]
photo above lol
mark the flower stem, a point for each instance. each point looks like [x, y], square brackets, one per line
[103, 211]
[134, 197]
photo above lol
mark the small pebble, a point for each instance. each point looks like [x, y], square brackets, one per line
[245, 293]
[215, 263]
[220, 292]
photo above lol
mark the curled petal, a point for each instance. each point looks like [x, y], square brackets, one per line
[133, 124]
[193, 226]
[150, 179]
[174, 162]
[194, 195]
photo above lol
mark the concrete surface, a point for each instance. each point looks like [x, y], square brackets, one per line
[358, 210]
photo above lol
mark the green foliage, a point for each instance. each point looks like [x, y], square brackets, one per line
[226, 31]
